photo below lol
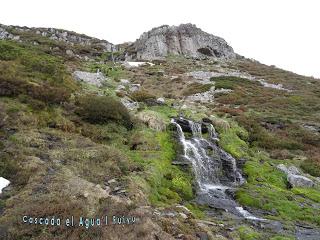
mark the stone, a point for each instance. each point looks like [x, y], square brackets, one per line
[160, 101]
[124, 81]
[134, 87]
[120, 87]
[69, 53]
[91, 78]
[129, 104]
[294, 176]
[185, 39]
[299, 181]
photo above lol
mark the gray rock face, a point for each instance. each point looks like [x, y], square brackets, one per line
[299, 181]
[185, 39]
[88, 77]
[294, 176]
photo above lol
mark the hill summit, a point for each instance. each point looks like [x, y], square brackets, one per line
[185, 39]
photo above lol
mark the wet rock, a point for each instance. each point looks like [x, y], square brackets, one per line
[202, 236]
[307, 233]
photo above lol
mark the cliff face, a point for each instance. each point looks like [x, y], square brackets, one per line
[185, 39]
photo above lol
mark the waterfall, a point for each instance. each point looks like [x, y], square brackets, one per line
[215, 170]
[195, 128]
[212, 133]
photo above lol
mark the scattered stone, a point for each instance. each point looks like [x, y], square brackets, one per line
[120, 88]
[129, 104]
[111, 181]
[124, 81]
[91, 78]
[134, 87]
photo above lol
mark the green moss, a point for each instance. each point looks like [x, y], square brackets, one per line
[313, 194]
[247, 233]
[231, 142]
[282, 238]
[168, 184]
[197, 211]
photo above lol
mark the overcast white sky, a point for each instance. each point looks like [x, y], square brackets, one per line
[285, 33]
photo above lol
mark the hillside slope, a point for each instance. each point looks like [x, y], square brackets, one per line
[84, 136]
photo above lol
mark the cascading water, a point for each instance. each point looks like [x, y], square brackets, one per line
[215, 170]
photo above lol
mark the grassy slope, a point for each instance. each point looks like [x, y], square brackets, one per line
[77, 151]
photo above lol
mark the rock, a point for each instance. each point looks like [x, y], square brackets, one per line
[69, 53]
[67, 37]
[161, 101]
[129, 104]
[185, 39]
[184, 216]
[111, 181]
[120, 87]
[299, 181]
[204, 97]
[134, 87]
[282, 168]
[294, 176]
[202, 236]
[88, 77]
[124, 81]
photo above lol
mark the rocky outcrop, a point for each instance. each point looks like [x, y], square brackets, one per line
[185, 39]
[17, 33]
[294, 176]
[91, 78]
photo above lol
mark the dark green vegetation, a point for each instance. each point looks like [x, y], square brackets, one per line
[194, 88]
[103, 109]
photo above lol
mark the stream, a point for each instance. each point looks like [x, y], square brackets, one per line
[216, 173]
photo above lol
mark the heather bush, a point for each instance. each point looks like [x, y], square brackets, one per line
[103, 109]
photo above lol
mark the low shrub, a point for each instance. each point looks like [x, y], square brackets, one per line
[43, 92]
[142, 96]
[194, 88]
[103, 109]
[311, 167]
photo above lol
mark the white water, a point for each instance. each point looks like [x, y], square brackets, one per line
[215, 170]
[248, 215]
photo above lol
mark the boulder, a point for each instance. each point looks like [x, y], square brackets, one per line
[88, 77]
[299, 181]
[294, 177]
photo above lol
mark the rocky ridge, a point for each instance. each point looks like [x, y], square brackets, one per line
[71, 38]
[185, 39]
